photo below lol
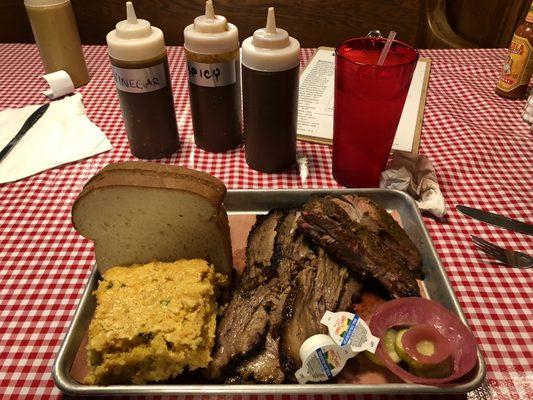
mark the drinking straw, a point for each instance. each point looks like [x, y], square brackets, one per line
[386, 48]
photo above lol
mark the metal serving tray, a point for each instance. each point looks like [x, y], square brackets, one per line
[260, 201]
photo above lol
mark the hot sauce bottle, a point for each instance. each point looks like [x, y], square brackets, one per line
[212, 51]
[140, 67]
[270, 75]
[518, 64]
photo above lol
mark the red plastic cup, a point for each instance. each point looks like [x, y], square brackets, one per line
[369, 100]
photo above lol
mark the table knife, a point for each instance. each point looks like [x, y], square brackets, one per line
[32, 119]
[497, 220]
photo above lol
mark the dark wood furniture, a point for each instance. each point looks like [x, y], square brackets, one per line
[422, 23]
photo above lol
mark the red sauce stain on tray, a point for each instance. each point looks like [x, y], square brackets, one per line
[80, 369]
[240, 225]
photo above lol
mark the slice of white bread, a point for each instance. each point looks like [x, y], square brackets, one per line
[138, 212]
[197, 181]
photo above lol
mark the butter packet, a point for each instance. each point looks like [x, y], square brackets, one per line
[324, 356]
[347, 329]
[321, 358]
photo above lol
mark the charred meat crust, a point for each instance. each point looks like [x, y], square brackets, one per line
[287, 363]
[325, 285]
[379, 221]
[263, 367]
[329, 226]
[259, 251]
[300, 262]
[248, 315]
[249, 305]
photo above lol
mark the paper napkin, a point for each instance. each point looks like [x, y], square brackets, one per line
[416, 176]
[62, 135]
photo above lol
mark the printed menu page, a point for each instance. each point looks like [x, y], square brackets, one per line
[315, 107]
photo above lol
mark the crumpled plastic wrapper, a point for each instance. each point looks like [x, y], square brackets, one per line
[415, 175]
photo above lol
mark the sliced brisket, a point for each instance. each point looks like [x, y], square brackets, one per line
[248, 330]
[242, 328]
[300, 263]
[259, 250]
[353, 291]
[354, 245]
[367, 213]
[324, 285]
[263, 367]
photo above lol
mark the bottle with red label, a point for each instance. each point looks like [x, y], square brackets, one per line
[518, 64]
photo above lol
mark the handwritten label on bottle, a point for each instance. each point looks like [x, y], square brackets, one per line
[212, 75]
[140, 80]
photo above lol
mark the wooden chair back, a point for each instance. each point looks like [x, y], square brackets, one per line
[313, 22]
[422, 23]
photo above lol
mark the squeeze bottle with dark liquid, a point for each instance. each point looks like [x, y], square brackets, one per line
[212, 51]
[270, 74]
[140, 67]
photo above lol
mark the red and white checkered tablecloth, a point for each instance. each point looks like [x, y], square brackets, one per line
[482, 150]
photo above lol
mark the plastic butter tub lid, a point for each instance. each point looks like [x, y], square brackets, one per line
[322, 359]
[324, 356]
[348, 330]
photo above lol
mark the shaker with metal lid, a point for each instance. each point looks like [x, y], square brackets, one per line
[140, 68]
[270, 75]
[212, 51]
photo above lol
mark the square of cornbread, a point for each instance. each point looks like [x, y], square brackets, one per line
[152, 321]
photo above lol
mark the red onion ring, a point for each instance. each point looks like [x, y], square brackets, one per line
[411, 311]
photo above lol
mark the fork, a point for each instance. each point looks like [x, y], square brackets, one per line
[510, 257]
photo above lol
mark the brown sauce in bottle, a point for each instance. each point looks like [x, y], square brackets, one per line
[56, 35]
[270, 77]
[149, 117]
[140, 68]
[270, 118]
[216, 111]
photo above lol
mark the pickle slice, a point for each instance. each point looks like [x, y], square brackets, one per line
[388, 342]
[425, 350]
[441, 370]
[374, 358]
[399, 347]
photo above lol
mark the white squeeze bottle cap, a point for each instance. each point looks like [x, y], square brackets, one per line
[135, 39]
[210, 33]
[271, 49]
